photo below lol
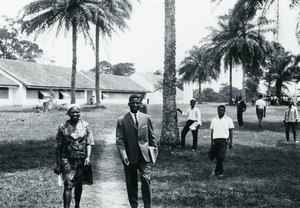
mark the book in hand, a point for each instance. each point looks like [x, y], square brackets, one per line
[60, 180]
[152, 151]
[194, 126]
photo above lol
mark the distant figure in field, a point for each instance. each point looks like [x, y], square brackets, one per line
[260, 111]
[241, 108]
[290, 120]
[193, 123]
[221, 134]
[252, 101]
[92, 100]
[143, 107]
[73, 151]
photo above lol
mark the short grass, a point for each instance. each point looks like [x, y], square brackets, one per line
[261, 170]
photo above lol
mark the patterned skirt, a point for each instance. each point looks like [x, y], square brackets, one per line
[75, 172]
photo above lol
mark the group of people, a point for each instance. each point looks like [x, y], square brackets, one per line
[221, 133]
[134, 140]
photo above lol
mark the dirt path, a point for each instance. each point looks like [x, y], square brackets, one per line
[110, 190]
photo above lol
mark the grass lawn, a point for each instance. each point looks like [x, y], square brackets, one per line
[261, 169]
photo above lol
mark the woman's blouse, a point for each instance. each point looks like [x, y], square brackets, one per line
[73, 140]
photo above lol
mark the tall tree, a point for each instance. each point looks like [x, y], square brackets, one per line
[121, 69]
[195, 67]
[238, 43]
[170, 131]
[282, 68]
[115, 13]
[12, 46]
[72, 15]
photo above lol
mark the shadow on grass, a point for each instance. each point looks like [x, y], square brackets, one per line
[32, 154]
[268, 126]
[264, 177]
[248, 126]
[26, 155]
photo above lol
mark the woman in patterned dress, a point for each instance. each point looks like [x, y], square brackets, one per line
[73, 151]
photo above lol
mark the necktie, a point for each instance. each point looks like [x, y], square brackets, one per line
[136, 121]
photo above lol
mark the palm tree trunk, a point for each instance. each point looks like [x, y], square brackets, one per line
[278, 87]
[243, 84]
[199, 88]
[97, 70]
[74, 62]
[230, 83]
[169, 132]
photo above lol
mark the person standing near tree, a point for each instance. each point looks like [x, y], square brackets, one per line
[193, 123]
[134, 138]
[290, 120]
[73, 151]
[221, 133]
[241, 108]
[260, 110]
[143, 107]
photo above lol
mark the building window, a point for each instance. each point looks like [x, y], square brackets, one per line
[43, 95]
[80, 94]
[32, 94]
[4, 93]
[63, 95]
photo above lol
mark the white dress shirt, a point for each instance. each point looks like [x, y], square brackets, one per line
[193, 114]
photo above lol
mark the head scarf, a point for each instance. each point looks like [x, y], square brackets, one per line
[71, 106]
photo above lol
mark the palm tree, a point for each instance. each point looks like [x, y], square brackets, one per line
[237, 44]
[195, 67]
[281, 69]
[116, 12]
[169, 132]
[72, 15]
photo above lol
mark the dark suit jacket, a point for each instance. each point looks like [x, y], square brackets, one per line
[241, 106]
[131, 140]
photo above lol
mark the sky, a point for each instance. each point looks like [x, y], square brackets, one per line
[143, 43]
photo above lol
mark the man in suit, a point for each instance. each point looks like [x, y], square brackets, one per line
[241, 108]
[134, 135]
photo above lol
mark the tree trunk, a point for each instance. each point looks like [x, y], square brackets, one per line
[169, 132]
[74, 62]
[243, 83]
[199, 88]
[230, 83]
[278, 87]
[97, 70]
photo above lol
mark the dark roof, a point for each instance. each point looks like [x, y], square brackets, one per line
[4, 81]
[34, 75]
[114, 83]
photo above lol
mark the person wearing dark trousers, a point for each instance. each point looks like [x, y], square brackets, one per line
[260, 111]
[241, 108]
[134, 137]
[193, 123]
[290, 120]
[221, 134]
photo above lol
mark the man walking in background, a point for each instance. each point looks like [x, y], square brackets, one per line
[134, 137]
[193, 123]
[260, 111]
[290, 120]
[241, 108]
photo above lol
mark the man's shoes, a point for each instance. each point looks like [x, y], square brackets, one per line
[296, 142]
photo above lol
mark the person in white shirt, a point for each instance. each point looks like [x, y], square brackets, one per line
[221, 132]
[290, 120]
[260, 111]
[193, 123]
